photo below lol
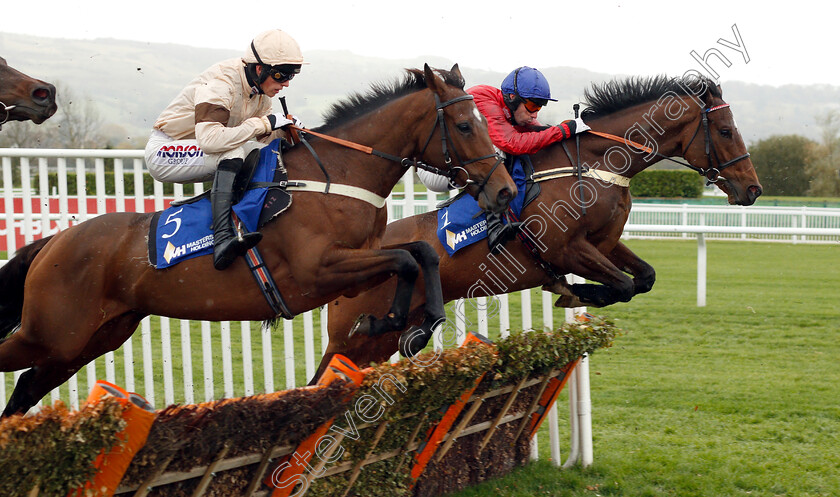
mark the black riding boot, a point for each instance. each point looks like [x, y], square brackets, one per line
[499, 234]
[226, 245]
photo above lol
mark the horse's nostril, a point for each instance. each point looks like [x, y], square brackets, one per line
[504, 196]
[41, 93]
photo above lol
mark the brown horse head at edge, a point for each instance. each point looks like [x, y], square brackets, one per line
[23, 98]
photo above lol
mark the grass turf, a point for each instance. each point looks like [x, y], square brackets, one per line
[740, 397]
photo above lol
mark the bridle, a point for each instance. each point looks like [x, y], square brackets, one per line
[711, 173]
[6, 109]
[451, 172]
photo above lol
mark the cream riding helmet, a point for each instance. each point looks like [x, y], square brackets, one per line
[277, 53]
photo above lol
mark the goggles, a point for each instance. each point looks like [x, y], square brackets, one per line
[278, 75]
[534, 105]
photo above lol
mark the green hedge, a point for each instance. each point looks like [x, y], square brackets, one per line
[667, 183]
[90, 183]
[55, 448]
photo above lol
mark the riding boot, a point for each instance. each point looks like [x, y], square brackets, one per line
[227, 246]
[499, 234]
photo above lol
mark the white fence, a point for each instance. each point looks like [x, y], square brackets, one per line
[243, 358]
[184, 361]
[729, 222]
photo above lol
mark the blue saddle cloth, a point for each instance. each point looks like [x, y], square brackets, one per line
[185, 231]
[462, 223]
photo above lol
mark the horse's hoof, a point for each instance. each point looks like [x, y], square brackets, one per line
[569, 301]
[361, 326]
[413, 341]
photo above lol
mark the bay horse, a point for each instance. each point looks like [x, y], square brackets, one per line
[570, 232]
[24, 98]
[88, 287]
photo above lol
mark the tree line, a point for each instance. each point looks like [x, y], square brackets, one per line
[795, 166]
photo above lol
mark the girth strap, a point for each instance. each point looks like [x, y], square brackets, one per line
[563, 172]
[266, 283]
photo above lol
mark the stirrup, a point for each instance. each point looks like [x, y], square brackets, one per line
[227, 251]
[497, 239]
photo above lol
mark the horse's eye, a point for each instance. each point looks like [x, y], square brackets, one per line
[726, 133]
[464, 127]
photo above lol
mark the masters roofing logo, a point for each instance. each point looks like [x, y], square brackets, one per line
[172, 251]
[453, 239]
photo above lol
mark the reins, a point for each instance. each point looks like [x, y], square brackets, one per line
[711, 173]
[450, 173]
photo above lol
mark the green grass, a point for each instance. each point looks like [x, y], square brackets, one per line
[740, 397]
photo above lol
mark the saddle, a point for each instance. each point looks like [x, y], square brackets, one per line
[184, 229]
[240, 185]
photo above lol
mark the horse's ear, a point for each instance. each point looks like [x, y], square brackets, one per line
[455, 73]
[433, 81]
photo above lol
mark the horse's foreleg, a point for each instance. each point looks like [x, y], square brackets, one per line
[591, 264]
[434, 314]
[643, 273]
[346, 271]
[562, 288]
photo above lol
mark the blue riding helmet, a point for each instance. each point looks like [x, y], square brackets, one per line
[527, 82]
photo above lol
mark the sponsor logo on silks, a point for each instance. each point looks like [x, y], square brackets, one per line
[452, 239]
[188, 155]
[469, 234]
[174, 252]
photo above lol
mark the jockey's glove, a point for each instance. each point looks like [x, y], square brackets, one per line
[279, 120]
[573, 127]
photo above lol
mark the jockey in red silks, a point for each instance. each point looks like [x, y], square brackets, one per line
[511, 113]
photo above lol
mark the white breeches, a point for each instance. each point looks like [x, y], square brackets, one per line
[183, 161]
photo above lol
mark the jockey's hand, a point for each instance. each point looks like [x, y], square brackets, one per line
[279, 120]
[296, 121]
[580, 126]
[575, 127]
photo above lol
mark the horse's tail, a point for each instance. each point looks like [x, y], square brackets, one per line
[12, 277]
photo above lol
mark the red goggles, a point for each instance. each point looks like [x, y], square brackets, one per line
[533, 106]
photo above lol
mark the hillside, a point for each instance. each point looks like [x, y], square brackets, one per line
[131, 82]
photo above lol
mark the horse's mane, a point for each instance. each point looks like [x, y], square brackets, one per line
[620, 94]
[379, 94]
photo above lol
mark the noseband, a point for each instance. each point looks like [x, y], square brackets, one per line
[711, 173]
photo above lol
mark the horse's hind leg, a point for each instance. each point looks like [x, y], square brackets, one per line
[34, 384]
[17, 352]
